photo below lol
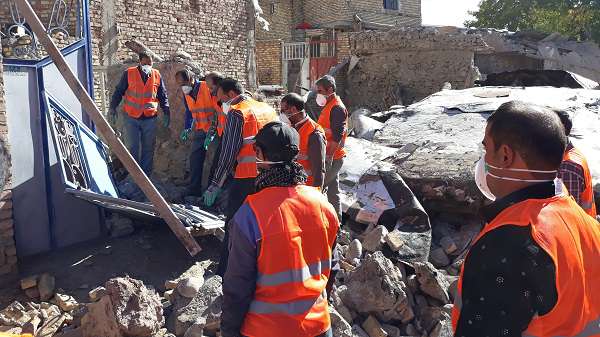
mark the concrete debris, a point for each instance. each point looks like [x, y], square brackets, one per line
[65, 302]
[339, 325]
[204, 309]
[29, 282]
[439, 258]
[373, 328]
[374, 240]
[189, 286]
[392, 331]
[354, 250]
[97, 293]
[364, 126]
[394, 240]
[139, 47]
[129, 306]
[120, 226]
[376, 286]
[432, 282]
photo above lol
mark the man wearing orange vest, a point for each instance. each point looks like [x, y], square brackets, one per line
[575, 172]
[334, 121]
[245, 117]
[143, 90]
[202, 112]
[281, 248]
[533, 270]
[312, 138]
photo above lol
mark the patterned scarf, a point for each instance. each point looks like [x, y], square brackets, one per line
[281, 175]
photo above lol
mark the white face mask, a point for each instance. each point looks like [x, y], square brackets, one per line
[283, 118]
[186, 89]
[481, 173]
[146, 68]
[321, 100]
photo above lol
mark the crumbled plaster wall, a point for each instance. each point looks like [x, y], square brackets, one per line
[8, 250]
[407, 64]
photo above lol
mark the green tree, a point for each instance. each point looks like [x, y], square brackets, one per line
[578, 19]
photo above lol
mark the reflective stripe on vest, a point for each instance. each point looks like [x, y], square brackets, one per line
[297, 229]
[202, 108]
[305, 132]
[255, 115]
[587, 195]
[325, 122]
[140, 97]
[572, 240]
[290, 308]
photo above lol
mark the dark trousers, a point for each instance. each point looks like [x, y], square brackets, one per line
[197, 155]
[240, 189]
[141, 138]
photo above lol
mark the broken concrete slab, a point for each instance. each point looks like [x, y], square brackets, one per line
[137, 309]
[432, 282]
[439, 143]
[376, 286]
[189, 286]
[100, 320]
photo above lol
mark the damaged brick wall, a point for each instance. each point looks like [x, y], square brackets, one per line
[408, 64]
[8, 250]
[269, 67]
[214, 34]
[279, 14]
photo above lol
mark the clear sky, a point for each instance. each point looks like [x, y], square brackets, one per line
[447, 12]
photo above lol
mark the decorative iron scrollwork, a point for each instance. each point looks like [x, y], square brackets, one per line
[67, 138]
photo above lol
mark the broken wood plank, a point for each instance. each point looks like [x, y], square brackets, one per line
[107, 132]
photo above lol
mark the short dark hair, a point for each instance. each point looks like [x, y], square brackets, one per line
[229, 84]
[565, 119]
[185, 74]
[144, 55]
[215, 76]
[327, 82]
[293, 99]
[534, 131]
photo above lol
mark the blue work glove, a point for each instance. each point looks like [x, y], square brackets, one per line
[166, 120]
[210, 196]
[208, 140]
[185, 134]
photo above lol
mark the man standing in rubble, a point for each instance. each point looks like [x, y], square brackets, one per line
[312, 138]
[245, 117]
[575, 172]
[143, 90]
[334, 121]
[533, 270]
[281, 248]
[202, 113]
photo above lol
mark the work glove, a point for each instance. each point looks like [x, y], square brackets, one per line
[185, 134]
[112, 116]
[208, 140]
[166, 120]
[210, 196]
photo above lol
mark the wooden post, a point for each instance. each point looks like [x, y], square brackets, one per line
[107, 132]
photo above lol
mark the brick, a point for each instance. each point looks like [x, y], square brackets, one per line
[6, 224]
[29, 282]
[6, 205]
[10, 250]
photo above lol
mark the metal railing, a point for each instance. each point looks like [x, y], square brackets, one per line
[313, 49]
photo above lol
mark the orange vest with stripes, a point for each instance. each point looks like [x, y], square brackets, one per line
[256, 115]
[140, 97]
[572, 239]
[221, 118]
[325, 122]
[298, 228]
[305, 131]
[587, 196]
[203, 108]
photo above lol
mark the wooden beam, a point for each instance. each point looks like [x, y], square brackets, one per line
[107, 132]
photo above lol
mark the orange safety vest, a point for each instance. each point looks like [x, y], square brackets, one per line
[572, 239]
[140, 97]
[202, 108]
[221, 118]
[325, 122]
[256, 115]
[305, 131]
[587, 196]
[298, 228]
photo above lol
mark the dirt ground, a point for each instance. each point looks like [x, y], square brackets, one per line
[151, 254]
